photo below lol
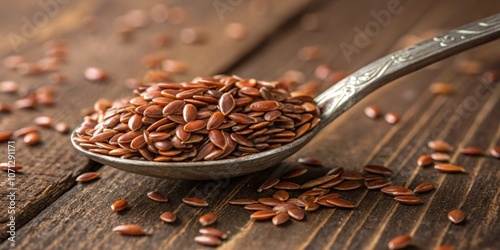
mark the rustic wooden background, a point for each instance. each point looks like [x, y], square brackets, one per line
[53, 212]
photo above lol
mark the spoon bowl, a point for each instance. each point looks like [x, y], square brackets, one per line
[333, 102]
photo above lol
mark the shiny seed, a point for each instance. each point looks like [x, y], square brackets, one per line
[352, 176]
[207, 240]
[5, 166]
[195, 202]
[296, 213]
[257, 207]
[377, 184]
[375, 169]
[156, 196]
[207, 219]
[408, 199]
[189, 112]
[87, 177]
[168, 217]
[32, 138]
[338, 202]
[331, 183]
[456, 216]
[495, 152]
[129, 229]
[226, 103]
[347, 185]
[213, 232]
[194, 125]
[399, 242]
[43, 121]
[268, 184]
[424, 160]
[215, 120]
[280, 218]
[396, 191]
[281, 195]
[317, 181]
[440, 156]
[95, 74]
[270, 201]
[286, 185]
[294, 173]
[119, 205]
[471, 151]
[311, 206]
[373, 111]
[310, 161]
[264, 106]
[441, 88]
[263, 215]
[242, 202]
[448, 168]
[391, 118]
[61, 127]
[424, 187]
[439, 145]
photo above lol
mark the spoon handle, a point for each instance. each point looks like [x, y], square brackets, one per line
[344, 94]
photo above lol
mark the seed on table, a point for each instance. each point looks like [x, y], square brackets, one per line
[456, 216]
[372, 177]
[396, 191]
[347, 185]
[331, 183]
[195, 202]
[264, 106]
[156, 196]
[353, 176]
[495, 152]
[280, 218]
[281, 195]
[270, 201]
[335, 171]
[423, 187]
[213, 231]
[31, 138]
[339, 202]
[408, 199]
[440, 156]
[296, 213]
[9, 87]
[268, 184]
[5, 136]
[284, 207]
[441, 88]
[449, 168]
[11, 62]
[440, 146]
[43, 121]
[242, 202]
[309, 53]
[311, 161]
[174, 66]
[5, 108]
[207, 240]
[311, 206]
[235, 31]
[317, 181]
[294, 173]
[468, 66]
[192, 35]
[491, 76]
[376, 169]
[400, 242]
[424, 160]
[257, 207]
[373, 111]
[377, 184]
[87, 177]
[474, 151]
[168, 217]
[446, 247]
[207, 219]
[263, 215]
[129, 229]
[95, 74]
[62, 127]
[5, 166]
[286, 185]
[119, 205]
[391, 118]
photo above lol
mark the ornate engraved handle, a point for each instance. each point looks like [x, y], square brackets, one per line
[343, 95]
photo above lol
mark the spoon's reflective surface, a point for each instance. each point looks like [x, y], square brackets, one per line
[333, 102]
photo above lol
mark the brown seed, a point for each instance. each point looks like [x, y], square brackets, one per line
[264, 106]
[495, 152]
[347, 185]
[408, 199]
[95, 74]
[331, 183]
[471, 151]
[296, 213]
[257, 207]
[391, 118]
[242, 202]
[215, 120]
[423, 187]
[286, 185]
[373, 111]
[242, 118]
[235, 31]
[439, 145]
[207, 240]
[207, 219]
[448, 168]
[311, 206]
[456, 216]
[5, 166]
[31, 138]
[173, 66]
[195, 202]
[294, 173]
[446, 247]
[268, 184]
[226, 103]
[440, 156]
[195, 125]
[396, 191]
[168, 217]
[5, 136]
[338, 202]
[281, 195]
[335, 171]
[441, 88]
[9, 87]
[424, 160]
[317, 181]
[119, 205]
[353, 176]
[373, 177]
[375, 169]
[87, 177]
[263, 215]
[189, 112]
[309, 53]
[213, 231]
[280, 218]
[377, 184]
[311, 161]
[270, 201]
[11, 62]
[284, 207]
[129, 229]
[153, 195]
[193, 35]
[62, 127]
[399, 242]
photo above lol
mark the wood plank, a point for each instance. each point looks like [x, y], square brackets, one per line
[50, 168]
[351, 146]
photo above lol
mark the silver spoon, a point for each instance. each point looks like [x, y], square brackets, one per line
[333, 102]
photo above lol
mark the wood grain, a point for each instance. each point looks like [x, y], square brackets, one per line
[352, 141]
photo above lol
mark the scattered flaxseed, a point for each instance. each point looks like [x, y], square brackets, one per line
[456, 216]
[119, 205]
[129, 229]
[400, 242]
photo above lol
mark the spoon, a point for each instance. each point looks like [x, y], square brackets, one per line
[333, 102]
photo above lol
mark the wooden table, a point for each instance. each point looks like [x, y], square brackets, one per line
[52, 211]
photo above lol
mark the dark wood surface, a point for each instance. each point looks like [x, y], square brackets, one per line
[53, 212]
